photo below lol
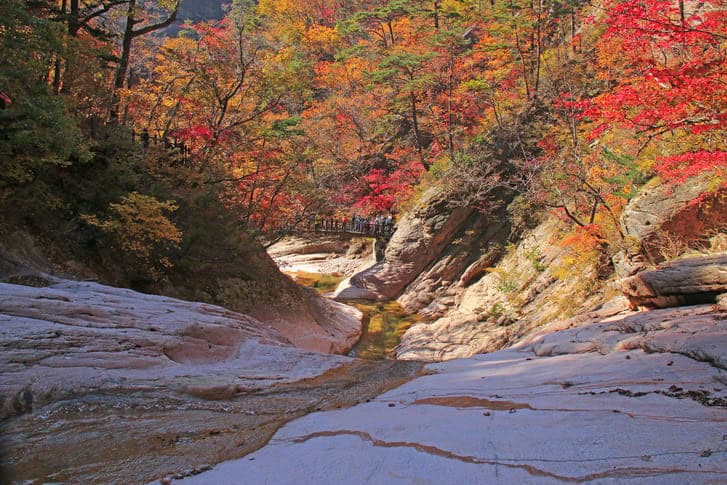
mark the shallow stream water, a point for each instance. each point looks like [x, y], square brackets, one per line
[383, 322]
[131, 434]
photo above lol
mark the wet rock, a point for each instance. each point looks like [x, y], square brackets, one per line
[171, 384]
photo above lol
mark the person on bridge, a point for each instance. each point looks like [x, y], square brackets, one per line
[389, 224]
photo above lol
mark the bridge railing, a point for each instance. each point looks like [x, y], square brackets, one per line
[361, 227]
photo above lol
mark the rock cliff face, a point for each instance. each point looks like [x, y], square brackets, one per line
[661, 218]
[483, 282]
[639, 398]
[421, 236]
[477, 291]
[503, 295]
[172, 384]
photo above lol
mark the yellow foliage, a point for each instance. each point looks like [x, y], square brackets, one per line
[321, 37]
[583, 252]
[138, 225]
[275, 7]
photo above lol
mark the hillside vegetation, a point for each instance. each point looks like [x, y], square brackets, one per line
[156, 159]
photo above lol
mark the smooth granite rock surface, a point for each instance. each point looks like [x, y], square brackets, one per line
[638, 399]
[107, 385]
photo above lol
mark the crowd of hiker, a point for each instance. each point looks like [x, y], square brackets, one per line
[169, 143]
[378, 226]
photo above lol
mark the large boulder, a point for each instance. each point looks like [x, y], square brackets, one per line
[663, 217]
[476, 247]
[682, 282]
[420, 238]
[326, 254]
[64, 339]
[107, 385]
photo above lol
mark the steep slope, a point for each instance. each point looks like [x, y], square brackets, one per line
[482, 282]
[243, 279]
[510, 297]
[421, 236]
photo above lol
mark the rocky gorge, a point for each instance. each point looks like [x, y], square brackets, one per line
[636, 398]
[108, 385]
[515, 372]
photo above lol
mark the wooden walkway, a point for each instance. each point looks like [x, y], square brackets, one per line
[378, 231]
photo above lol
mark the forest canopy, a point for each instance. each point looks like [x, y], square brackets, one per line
[289, 108]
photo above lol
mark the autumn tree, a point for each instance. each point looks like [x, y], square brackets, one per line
[36, 128]
[138, 24]
[668, 62]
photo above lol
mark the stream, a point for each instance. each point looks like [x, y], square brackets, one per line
[383, 323]
[166, 432]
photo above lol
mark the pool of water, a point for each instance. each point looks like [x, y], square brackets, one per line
[383, 322]
[383, 325]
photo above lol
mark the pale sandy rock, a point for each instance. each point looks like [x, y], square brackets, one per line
[616, 415]
[107, 385]
[681, 282]
[73, 338]
[475, 248]
[721, 302]
[306, 319]
[663, 210]
[348, 290]
[325, 254]
[698, 332]
[511, 299]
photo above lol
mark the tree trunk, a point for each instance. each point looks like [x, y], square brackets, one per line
[129, 35]
[538, 50]
[450, 117]
[415, 122]
[58, 64]
[126, 42]
[74, 21]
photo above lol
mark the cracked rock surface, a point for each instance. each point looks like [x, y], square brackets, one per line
[107, 385]
[638, 398]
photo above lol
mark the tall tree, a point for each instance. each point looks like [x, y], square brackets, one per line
[134, 17]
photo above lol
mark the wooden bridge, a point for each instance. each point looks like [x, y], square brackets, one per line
[380, 230]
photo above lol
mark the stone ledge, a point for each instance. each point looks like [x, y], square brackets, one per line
[682, 282]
